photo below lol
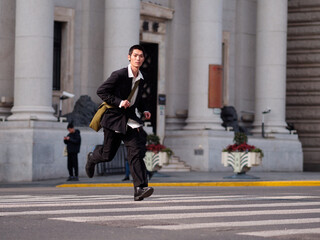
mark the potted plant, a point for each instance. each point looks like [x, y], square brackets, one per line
[157, 154]
[240, 155]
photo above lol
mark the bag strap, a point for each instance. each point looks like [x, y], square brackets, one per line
[136, 84]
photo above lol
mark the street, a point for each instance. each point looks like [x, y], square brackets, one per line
[185, 213]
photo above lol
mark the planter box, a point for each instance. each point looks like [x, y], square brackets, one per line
[151, 160]
[163, 158]
[254, 159]
[239, 160]
[154, 161]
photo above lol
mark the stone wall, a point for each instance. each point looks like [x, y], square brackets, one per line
[303, 77]
[202, 149]
[33, 150]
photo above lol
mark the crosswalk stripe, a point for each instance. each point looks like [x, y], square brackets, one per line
[122, 200]
[29, 198]
[233, 224]
[19, 198]
[171, 216]
[275, 233]
[173, 209]
[166, 208]
[153, 208]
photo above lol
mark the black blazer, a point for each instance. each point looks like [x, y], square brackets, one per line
[115, 89]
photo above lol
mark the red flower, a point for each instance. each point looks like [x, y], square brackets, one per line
[244, 147]
[155, 147]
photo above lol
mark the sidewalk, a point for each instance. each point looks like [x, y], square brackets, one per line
[184, 179]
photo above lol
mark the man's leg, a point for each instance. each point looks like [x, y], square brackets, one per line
[108, 150]
[135, 144]
[70, 170]
[135, 156]
[73, 166]
[76, 165]
[105, 153]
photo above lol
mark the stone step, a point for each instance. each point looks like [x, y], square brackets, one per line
[175, 165]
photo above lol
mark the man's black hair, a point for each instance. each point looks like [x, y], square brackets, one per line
[70, 125]
[139, 47]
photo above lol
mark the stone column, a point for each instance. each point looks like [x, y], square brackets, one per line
[7, 21]
[122, 25]
[33, 61]
[271, 65]
[205, 49]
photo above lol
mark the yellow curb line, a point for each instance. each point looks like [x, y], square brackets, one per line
[204, 184]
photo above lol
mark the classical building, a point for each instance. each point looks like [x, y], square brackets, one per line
[201, 55]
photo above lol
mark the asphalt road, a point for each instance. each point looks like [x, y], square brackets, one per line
[183, 213]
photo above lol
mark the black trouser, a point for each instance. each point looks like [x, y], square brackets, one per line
[73, 164]
[135, 142]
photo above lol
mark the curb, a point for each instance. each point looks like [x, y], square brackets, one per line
[203, 184]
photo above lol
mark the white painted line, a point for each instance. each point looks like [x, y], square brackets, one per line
[286, 197]
[120, 201]
[174, 197]
[172, 216]
[27, 198]
[275, 233]
[154, 208]
[153, 200]
[233, 224]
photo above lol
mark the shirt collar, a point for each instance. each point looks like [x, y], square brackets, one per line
[140, 76]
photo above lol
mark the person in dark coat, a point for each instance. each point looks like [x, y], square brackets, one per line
[73, 141]
[120, 122]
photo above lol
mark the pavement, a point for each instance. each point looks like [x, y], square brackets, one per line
[185, 179]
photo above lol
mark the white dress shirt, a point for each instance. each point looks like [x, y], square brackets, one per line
[131, 123]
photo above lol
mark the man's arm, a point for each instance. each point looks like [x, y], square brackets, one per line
[107, 89]
[75, 138]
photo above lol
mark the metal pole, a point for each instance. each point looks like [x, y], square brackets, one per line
[262, 125]
[60, 109]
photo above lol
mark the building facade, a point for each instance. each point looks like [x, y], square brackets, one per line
[202, 55]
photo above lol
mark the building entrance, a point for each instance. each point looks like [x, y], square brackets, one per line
[150, 68]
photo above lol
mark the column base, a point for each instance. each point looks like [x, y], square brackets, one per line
[271, 131]
[204, 124]
[175, 123]
[26, 113]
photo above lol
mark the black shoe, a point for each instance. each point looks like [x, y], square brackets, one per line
[76, 179]
[70, 178]
[90, 165]
[142, 192]
[126, 179]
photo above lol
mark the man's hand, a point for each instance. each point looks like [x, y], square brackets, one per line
[125, 104]
[147, 115]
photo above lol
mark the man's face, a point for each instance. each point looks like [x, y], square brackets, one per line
[136, 58]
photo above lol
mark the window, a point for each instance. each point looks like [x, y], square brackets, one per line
[57, 45]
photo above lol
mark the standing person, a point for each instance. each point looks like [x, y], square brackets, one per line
[73, 141]
[127, 173]
[120, 122]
